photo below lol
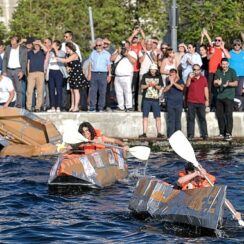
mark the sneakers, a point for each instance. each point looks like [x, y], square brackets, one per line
[160, 135]
[228, 137]
[143, 135]
[52, 110]
[129, 110]
[119, 110]
[220, 136]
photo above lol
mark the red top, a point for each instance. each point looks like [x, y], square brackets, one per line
[215, 60]
[136, 48]
[196, 90]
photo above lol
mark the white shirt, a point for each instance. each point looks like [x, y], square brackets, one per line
[145, 65]
[77, 49]
[13, 61]
[125, 67]
[6, 86]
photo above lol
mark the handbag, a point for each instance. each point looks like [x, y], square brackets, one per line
[114, 66]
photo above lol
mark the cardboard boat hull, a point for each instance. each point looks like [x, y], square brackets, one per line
[99, 169]
[202, 207]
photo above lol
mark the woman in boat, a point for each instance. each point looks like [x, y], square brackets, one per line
[192, 178]
[97, 139]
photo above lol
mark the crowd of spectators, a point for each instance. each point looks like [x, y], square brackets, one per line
[50, 75]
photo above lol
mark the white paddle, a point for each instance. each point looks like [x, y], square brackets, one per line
[184, 149]
[74, 137]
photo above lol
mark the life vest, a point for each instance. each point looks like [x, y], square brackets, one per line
[91, 147]
[201, 183]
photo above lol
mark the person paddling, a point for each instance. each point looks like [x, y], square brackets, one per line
[192, 178]
[96, 136]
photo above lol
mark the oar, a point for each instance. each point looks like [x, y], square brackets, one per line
[184, 149]
[74, 137]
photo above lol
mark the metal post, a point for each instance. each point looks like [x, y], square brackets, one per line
[174, 26]
[91, 24]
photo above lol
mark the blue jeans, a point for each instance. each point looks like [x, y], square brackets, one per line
[98, 84]
[173, 119]
[199, 110]
[55, 82]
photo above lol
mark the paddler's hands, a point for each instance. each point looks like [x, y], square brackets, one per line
[126, 148]
[237, 216]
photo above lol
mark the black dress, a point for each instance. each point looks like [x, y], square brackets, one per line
[76, 78]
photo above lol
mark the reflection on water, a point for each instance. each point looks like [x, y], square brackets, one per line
[28, 213]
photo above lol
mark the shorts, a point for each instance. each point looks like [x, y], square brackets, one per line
[148, 106]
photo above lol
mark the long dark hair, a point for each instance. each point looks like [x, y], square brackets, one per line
[90, 128]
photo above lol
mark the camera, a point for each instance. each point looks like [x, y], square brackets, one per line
[123, 48]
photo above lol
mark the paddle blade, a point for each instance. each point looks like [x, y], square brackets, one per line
[72, 136]
[140, 152]
[241, 222]
[183, 148]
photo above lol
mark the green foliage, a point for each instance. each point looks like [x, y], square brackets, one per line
[2, 27]
[220, 18]
[113, 19]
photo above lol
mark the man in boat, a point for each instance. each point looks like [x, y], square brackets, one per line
[97, 138]
[192, 178]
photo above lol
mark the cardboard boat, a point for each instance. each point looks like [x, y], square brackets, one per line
[99, 169]
[202, 207]
[25, 134]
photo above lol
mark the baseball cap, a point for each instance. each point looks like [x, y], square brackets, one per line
[153, 66]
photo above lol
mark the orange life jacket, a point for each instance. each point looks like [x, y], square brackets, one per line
[202, 183]
[91, 147]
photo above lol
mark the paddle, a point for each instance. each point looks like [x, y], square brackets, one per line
[74, 137]
[184, 149]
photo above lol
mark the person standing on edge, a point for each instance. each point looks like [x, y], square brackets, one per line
[226, 81]
[174, 89]
[35, 77]
[14, 66]
[56, 72]
[237, 63]
[99, 74]
[136, 46]
[216, 53]
[197, 101]
[151, 84]
[76, 77]
[124, 59]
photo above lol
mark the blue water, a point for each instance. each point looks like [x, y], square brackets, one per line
[29, 214]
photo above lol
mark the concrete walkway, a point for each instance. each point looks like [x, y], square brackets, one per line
[129, 125]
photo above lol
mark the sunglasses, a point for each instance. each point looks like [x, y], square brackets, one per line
[218, 40]
[237, 44]
[98, 45]
[196, 69]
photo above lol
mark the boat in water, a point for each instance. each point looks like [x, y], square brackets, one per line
[202, 207]
[96, 170]
[22, 133]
